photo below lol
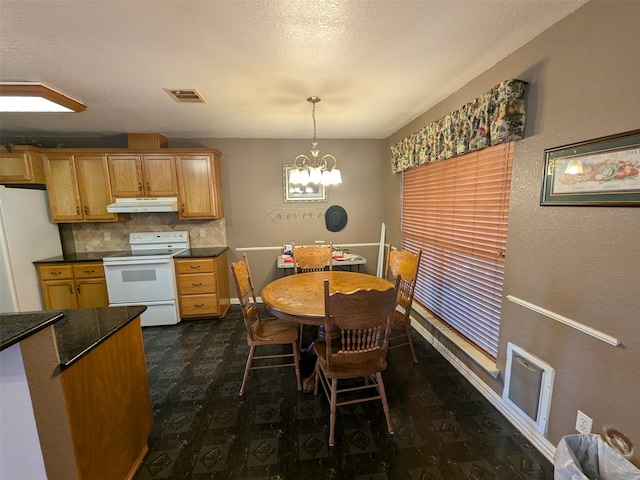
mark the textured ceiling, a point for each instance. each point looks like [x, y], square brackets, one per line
[376, 64]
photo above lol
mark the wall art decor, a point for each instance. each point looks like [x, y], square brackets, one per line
[599, 172]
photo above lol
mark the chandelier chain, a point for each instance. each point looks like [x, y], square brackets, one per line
[313, 115]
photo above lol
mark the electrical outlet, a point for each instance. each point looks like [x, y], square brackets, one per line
[203, 233]
[583, 423]
[107, 236]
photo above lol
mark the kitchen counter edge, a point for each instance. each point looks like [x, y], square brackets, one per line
[77, 331]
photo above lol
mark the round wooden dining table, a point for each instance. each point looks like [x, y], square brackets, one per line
[300, 297]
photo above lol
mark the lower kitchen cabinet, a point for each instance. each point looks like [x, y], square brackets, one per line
[73, 285]
[203, 286]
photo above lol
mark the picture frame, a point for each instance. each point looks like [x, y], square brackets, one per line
[599, 172]
[295, 193]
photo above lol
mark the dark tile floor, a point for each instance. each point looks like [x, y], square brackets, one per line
[444, 429]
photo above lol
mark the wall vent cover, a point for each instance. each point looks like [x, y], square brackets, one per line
[527, 386]
[185, 95]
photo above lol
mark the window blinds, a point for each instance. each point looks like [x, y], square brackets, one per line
[457, 211]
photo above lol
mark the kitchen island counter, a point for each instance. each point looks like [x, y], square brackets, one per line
[80, 376]
[77, 331]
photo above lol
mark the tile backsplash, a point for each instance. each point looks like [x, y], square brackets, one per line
[96, 237]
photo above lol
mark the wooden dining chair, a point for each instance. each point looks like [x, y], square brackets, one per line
[312, 258]
[362, 318]
[262, 331]
[402, 264]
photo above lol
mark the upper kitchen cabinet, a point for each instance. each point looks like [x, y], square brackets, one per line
[143, 176]
[21, 165]
[199, 185]
[78, 187]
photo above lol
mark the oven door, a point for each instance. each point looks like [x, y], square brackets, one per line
[131, 281]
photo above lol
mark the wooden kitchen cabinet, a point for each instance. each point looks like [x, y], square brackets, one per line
[203, 286]
[21, 165]
[73, 285]
[199, 186]
[151, 175]
[78, 187]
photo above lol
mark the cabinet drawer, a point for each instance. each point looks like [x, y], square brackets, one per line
[199, 305]
[197, 283]
[88, 270]
[195, 265]
[57, 271]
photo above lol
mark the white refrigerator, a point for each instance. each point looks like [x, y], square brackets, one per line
[26, 235]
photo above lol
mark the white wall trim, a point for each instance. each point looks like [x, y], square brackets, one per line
[567, 321]
[523, 425]
[280, 247]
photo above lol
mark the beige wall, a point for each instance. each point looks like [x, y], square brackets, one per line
[580, 262]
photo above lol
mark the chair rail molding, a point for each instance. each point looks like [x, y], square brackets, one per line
[567, 321]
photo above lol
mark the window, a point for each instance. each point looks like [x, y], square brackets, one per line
[457, 211]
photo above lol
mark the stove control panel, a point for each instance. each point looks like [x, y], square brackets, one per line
[141, 238]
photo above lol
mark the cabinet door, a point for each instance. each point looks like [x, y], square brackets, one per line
[159, 172]
[62, 187]
[92, 293]
[199, 191]
[95, 192]
[20, 166]
[59, 294]
[125, 173]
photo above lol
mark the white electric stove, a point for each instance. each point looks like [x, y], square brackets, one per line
[145, 275]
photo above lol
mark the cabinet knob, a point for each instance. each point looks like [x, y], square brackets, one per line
[195, 266]
[55, 273]
[198, 305]
[196, 284]
[77, 210]
[182, 208]
[89, 271]
[86, 210]
[139, 186]
[71, 289]
[148, 186]
[78, 288]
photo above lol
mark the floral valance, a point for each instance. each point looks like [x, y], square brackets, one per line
[496, 117]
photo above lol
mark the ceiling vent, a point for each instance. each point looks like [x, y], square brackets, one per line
[188, 95]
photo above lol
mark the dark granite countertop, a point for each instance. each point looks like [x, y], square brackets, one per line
[77, 257]
[77, 331]
[98, 256]
[15, 327]
[202, 252]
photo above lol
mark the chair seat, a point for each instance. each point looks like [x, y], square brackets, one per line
[274, 331]
[399, 318]
[347, 369]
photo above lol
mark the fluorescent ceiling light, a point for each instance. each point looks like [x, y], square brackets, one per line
[35, 97]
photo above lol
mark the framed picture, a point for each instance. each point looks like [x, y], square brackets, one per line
[599, 172]
[301, 193]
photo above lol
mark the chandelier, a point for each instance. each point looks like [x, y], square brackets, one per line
[314, 170]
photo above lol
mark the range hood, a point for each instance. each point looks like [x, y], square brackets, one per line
[144, 205]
